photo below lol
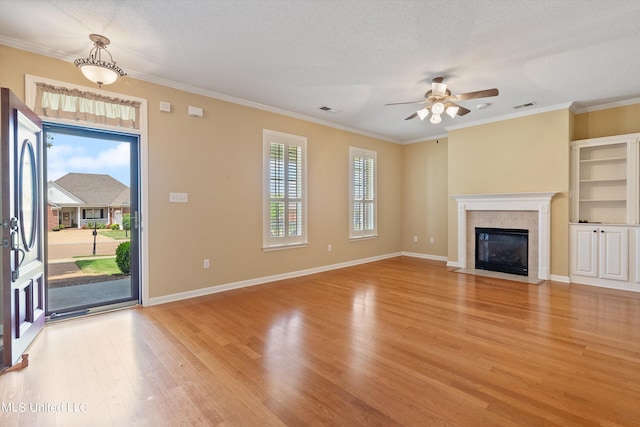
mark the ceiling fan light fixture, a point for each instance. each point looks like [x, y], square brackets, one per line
[438, 89]
[452, 111]
[423, 113]
[97, 69]
[437, 108]
[435, 119]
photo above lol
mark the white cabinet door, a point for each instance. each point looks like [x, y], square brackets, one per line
[614, 253]
[634, 254]
[584, 259]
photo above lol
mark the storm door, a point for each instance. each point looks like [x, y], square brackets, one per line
[92, 220]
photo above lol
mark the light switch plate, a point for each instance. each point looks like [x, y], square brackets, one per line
[178, 197]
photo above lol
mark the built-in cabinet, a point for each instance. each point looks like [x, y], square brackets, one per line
[601, 251]
[605, 209]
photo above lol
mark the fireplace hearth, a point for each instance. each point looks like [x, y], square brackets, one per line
[502, 249]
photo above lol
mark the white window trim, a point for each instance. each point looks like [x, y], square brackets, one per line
[269, 243]
[30, 100]
[364, 234]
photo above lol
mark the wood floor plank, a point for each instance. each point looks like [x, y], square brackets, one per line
[402, 341]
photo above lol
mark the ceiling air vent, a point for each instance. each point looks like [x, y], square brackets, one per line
[528, 104]
[328, 109]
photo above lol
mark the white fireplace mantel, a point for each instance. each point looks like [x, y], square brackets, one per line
[536, 201]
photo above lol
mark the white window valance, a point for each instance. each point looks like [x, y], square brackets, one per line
[61, 102]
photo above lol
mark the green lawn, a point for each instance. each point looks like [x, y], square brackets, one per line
[106, 266]
[116, 234]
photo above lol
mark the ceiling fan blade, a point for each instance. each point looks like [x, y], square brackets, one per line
[409, 102]
[478, 94]
[413, 116]
[462, 111]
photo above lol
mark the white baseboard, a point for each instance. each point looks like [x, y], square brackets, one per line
[425, 256]
[562, 279]
[262, 280]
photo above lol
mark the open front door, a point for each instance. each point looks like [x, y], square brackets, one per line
[23, 212]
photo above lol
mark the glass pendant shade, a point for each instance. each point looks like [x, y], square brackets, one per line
[423, 113]
[437, 108]
[99, 74]
[452, 111]
[435, 119]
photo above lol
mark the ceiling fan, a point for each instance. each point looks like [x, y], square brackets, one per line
[440, 100]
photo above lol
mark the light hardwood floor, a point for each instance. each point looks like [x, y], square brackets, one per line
[402, 341]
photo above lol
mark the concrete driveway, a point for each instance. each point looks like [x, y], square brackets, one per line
[66, 244]
[69, 243]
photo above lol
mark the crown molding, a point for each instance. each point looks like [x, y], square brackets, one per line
[623, 103]
[425, 139]
[531, 112]
[197, 91]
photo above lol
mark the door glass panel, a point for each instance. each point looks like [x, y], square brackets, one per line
[28, 194]
[91, 202]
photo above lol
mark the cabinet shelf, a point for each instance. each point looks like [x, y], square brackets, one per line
[603, 200]
[621, 181]
[604, 180]
[604, 160]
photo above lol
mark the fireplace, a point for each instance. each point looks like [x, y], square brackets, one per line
[502, 249]
[490, 209]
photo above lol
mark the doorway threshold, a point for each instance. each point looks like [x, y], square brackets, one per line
[60, 317]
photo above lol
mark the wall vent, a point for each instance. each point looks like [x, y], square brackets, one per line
[528, 104]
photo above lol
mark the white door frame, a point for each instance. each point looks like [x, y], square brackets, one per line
[30, 99]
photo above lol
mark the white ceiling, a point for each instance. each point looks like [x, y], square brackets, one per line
[355, 55]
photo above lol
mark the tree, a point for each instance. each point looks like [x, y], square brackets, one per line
[126, 223]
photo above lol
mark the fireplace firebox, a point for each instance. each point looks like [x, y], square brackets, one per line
[502, 249]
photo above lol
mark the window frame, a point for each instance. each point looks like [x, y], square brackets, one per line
[365, 233]
[285, 241]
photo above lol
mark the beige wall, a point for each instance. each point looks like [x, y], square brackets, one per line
[424, 197]
[525, 154]
[218, 161]
[613, 121]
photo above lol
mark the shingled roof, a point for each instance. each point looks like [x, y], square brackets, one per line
[95, 189]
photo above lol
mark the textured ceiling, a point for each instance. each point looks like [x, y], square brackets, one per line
[355, 55]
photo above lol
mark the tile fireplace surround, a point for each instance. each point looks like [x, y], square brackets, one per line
[530, 211]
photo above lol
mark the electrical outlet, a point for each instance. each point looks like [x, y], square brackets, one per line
[206, 263]
[415, 239]
[329, 247]
[432, 240]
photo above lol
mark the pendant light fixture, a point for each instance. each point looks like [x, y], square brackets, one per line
[97, 69]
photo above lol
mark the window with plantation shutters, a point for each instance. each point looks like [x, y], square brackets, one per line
[362, 212]
[285, 205]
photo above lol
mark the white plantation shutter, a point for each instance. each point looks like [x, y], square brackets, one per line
[284, 190]
[363, 221]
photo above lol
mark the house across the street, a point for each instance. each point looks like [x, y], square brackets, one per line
[78, 199]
